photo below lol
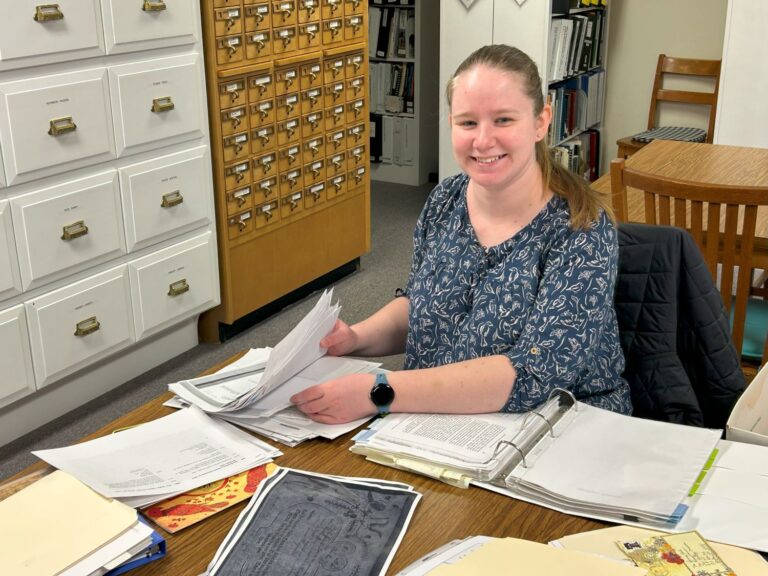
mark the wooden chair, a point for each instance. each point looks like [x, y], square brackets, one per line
[722, 221]
[684, 67]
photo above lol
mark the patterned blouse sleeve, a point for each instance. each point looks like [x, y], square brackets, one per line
[574, 304]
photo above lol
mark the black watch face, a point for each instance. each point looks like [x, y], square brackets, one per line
[382, 394]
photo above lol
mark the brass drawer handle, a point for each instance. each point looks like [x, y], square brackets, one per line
[164, 104]
[172, 199]
[75, 230]
[156, 6]
[263, 112]
[47, 12]
[286, 11]
[178, 287]
[309, 6]
[312, 73]
[59, 126]
[87, 326]
[355, 4]
[267, 211]
[334, 4]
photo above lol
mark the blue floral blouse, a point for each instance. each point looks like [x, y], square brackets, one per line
[543, 298]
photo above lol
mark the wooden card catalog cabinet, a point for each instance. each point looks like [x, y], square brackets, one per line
[302, 77]
[105, 168]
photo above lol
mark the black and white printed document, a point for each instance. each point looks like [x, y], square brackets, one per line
[301, 523]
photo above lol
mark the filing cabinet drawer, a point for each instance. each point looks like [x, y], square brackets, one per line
[335, 117]
[332, 8]
[356, 134]
[287, 106]
[354, 27]
[311, 100]
[333, 69]
[286, 79]
[309, 35]
[68, 227]
[356, 178]
[257, 16]
[235, 147]
[314, 172]
[289, 158]
[15, 357]
[237, 174]
[226, 3]
[166, 196]
[258, 44]
[309, 11]
[157, 102]
[262, 113]
[265, 190]
[240, 224]
[357, 156]
[149, 24]
[333, 31]
[230, 49]
[314, 149]
[232, 93]
[10, 278]
[355, 88]
[336, 164]
[355, 110]
[291, 181]
[234, 120]
[239, 199]
[261, 85]
[355, 63]
[264, 165]
[354, 7]
[291, 205]
[51, 32]
[174, 283]
[314, 195]
[55, 123]
[312, 124]
[333, 94]
[77, 325]
[288, 132]
[311, 74]
[227, 21]
[263, 139]
[285, 40]
[268, 214]
[336, 186]
[284, 13]
[335, 141]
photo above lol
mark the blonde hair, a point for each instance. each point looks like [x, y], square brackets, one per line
[584, 202]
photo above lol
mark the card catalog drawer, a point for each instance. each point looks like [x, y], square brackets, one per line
[18, 378]
[68, 227]
[79, 324]
[149, 24]
[166, 196]
[174, 283]
[33, 32]
[10, 278]
[157, 102]
[309, 11]
[55, 123]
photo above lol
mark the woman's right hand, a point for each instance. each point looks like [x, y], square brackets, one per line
[341, 340]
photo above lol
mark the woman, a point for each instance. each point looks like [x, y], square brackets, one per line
[510, 293]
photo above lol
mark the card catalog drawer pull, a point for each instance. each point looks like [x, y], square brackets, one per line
[48, 12]
[87, 326]
[59, 126]
[156, 6]
[164, 104]
[73, 231]
[172, 199]
[178, 287]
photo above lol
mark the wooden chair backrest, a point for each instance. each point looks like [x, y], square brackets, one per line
[685, 67]
[721, 219]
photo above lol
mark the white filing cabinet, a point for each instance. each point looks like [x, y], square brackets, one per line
[107, 235]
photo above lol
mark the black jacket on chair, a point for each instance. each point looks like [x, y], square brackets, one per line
[681, 364]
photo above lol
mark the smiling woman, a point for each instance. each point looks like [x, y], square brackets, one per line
[510, 293]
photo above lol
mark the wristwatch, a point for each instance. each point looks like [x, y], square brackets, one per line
[382, 394]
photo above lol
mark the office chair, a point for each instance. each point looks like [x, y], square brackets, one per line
[722, 221]
[682, 67]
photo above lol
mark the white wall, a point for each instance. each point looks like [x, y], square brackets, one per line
[639, 31]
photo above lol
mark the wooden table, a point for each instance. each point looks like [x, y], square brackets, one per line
[444, 512]
[704, 163]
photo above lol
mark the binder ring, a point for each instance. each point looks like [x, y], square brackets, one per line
[509, 443]
[563, 393]
[540, 415]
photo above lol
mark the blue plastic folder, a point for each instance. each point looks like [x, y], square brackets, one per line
[152, 552]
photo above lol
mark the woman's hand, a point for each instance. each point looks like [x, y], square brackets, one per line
[337, 401]
[341, 340]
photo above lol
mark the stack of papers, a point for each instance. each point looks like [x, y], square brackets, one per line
[162, 458]
[305, 523]
[60, 526]
[254, 392]
[486, 556]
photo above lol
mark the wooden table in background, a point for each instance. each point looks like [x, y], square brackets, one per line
[705, 163]
[444, 512]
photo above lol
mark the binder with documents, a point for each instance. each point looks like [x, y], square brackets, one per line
[154, 551]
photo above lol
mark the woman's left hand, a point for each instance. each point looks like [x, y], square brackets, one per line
[337, 401]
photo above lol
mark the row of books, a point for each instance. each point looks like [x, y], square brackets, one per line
[391, 32]
[393, 139]
[391, 87]
[565, 6]
[575, 44]
[577, 105]
[581, 154]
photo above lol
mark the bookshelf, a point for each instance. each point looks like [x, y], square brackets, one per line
[537, 29]
[403, 53]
